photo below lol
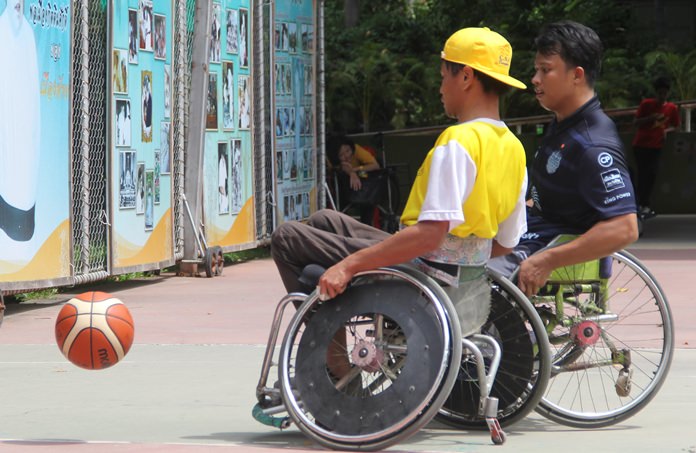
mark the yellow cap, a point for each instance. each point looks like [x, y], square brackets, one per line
[483, 50]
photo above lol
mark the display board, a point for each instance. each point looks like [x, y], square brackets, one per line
[228, 164]
[35, 140]
[140, 127]
[294, 132]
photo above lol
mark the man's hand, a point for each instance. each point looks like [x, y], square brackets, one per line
[346, 167]
[355, 182]
[334, 281]
[534, 272]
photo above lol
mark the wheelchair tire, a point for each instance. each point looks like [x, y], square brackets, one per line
[524, 367]
[402, 344]
[582, 393]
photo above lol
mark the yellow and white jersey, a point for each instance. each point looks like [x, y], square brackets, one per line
[475, 178]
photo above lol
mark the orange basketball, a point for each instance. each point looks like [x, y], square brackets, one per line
[94, 330]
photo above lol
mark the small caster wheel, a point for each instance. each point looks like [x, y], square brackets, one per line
[500, 438]
[220, 261]
[210, 262]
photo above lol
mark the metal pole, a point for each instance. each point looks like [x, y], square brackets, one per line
[259, 143]
[193, 159]
[84, 112]
[321, 124]
[177, 145]
[687, 120]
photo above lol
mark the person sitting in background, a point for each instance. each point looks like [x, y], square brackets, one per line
[655, 118]
[354, 164]
[355, 161]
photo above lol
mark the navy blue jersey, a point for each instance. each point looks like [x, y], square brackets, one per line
[579, 175]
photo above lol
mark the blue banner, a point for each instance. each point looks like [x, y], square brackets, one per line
[228, 182]
[294, 122]
[35, 139]
[140, 127]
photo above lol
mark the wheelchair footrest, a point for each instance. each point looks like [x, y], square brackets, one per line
[277, 422]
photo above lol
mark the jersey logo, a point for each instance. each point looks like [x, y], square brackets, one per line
[605, 160]
[554, 162]
[612, 180]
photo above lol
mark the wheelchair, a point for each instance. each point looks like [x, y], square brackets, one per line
[612, 339]
[611, 334]
[408, 362]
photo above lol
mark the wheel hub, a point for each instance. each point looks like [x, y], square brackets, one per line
[585, 333]
[367, 356]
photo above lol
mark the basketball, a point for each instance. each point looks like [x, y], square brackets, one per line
[94, 330]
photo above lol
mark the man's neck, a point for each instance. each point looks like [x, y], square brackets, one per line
[575, 103]
[484, 106]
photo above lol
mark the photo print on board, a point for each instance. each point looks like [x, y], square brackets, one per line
[133, 36]
[276, 36]
[236, 181]
[149, 200]
[127, 179]
[215, 35]
[232, 31]
[211, 104]
[140, 189]
[160, 37]
[165, 161]
[243, 38]
[244, 96]
[146, 80]
[227, 95]
[157, 176]
[147, 41]
[119, 71]
[167, 91]
[223, 179]
[122, 126]
[292, 37]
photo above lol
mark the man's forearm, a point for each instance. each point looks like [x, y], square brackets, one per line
[603, 239]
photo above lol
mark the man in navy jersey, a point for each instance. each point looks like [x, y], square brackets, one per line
[579, 179]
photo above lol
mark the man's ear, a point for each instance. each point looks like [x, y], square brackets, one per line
[579, 74]
[467, 74]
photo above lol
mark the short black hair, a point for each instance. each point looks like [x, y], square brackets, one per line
[343, 140]
[489, 84]
[662, 82]
[575, 43]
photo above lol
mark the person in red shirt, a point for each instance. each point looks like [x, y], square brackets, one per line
[655, 118]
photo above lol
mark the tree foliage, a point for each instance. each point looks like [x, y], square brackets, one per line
[383, 73]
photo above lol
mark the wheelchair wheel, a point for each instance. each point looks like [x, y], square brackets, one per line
[611, 350]
[399, 342]
[524, 368]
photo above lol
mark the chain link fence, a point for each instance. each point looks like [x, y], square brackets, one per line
[89, 152]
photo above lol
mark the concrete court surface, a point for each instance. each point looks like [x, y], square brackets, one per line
[188, 383]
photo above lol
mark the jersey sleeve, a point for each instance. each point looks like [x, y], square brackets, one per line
[451, 177]
[363, 156]
[511, 229]
[605, 183]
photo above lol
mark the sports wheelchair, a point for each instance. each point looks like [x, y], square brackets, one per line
[408, 360]
[612, 338]
[611, 335]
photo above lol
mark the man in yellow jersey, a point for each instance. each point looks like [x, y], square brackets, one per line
[466, 203]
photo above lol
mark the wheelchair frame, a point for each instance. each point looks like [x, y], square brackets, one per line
[390, 299]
